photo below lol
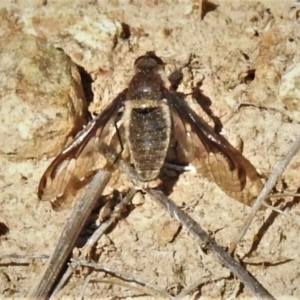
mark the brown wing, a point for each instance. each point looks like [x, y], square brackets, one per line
[212, 154]
[79, 160]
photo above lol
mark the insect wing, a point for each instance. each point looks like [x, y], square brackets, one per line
[212, 154]
[79, 160]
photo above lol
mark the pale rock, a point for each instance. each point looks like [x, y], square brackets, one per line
[41, 99]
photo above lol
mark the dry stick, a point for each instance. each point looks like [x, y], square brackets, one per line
[112, 156]
[265, 191]
[244, 276]
[116, 213]
[91, 242]
[195, 285]
[69, 236]
[123, 275]
[283, 195]
[95, 237]
[115, 281]
[25, 256]
[84, 286]
[61, 283]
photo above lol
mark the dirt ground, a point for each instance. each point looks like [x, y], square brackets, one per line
[246, 54]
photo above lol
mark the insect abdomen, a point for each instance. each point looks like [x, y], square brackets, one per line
[148, 136]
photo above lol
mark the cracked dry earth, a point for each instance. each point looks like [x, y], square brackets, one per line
[245, 54]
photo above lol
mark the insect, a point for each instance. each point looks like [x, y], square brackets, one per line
[148, 121]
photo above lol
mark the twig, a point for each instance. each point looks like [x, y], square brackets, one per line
[281, 212]
[244, 276]
[95, 237]
[283, 195]
[112, 281]
[84, 286]
[69, 236]
[119, 208]
[195, 285]
[62, 281]
[113, 157]
[25, 256]
[265, 191]
[123, 275]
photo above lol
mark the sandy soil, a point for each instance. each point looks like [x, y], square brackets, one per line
[247, 54]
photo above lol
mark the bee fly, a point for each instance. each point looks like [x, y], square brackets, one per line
[151, 121]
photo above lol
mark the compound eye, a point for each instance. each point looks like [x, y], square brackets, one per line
[148, 62]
